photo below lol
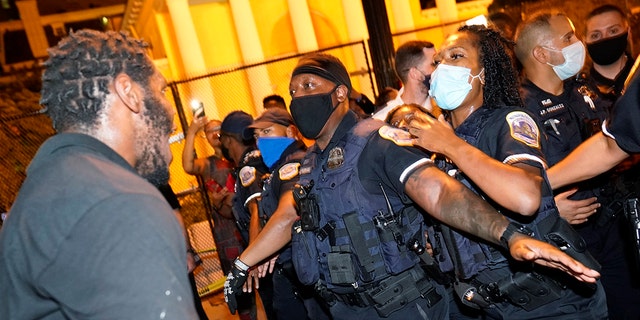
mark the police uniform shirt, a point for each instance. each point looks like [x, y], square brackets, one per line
[512, 136]
[286, 171]
[566, 119]
[249, 174]
[611, 89]
[625, 119]
[283, 178]
[383, 160]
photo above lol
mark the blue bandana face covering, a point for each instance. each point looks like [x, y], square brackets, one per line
[272, 148]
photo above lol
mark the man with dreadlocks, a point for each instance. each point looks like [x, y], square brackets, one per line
[494, 148]
[89, 236]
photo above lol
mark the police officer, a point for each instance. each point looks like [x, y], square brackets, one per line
[607, 34]
[491, 125]
[354, 241]
[570, 111]
[282, 152]
[240, 148]
[619, 138]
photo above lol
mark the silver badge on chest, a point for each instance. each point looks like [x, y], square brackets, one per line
[336, 158]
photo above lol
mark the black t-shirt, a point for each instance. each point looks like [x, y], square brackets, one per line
[611, 89]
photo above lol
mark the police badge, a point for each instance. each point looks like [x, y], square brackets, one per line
[336, 158]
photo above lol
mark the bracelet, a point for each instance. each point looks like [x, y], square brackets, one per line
[512, 228]
[241, 265]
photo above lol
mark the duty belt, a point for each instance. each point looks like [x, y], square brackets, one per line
[528, 290]
[389, 294]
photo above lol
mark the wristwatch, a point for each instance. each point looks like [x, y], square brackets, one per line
[512, 228]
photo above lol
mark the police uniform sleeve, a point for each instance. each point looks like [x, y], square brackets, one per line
[515, 138]
[625, 117]
[287, 176]
[389, 158]
[135, 267]
[250, 178]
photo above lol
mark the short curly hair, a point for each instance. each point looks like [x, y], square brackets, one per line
[496, 56]
[75, 83]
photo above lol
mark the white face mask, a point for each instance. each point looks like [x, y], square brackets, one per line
[450, 85]
[574, 56]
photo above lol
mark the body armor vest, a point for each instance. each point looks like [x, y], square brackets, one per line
[360, 237]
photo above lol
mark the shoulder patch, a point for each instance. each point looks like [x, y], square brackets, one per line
[523, 128]
[289, 171]
[251, 154]
[398, 136]
[247, 175]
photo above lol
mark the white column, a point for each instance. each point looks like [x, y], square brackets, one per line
[251, 49]
[191, 53]
[403, 19]
[448, 12]
[303, 26]
[30, 17]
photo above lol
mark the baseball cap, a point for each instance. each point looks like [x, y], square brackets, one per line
[272, 116]
[236, 122]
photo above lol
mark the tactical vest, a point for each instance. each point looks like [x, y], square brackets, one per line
[470, 256]
[357, 240]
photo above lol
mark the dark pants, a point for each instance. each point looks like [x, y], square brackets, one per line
[266, 295]
[292, 300]
[610, 246]
[196, 298]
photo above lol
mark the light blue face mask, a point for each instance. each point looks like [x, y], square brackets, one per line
[272, 148]
[450, 85]
[574, 55]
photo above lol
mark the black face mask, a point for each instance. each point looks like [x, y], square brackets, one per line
[310, 113]
[427, 81]
[607, 51]
[226, 154]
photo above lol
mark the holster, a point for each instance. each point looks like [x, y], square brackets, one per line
[390, 294]
[559, 233]
[528, 290]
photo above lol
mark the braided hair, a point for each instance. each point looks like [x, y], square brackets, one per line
[495, 53]
[79, 71]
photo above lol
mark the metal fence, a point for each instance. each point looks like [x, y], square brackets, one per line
[232, 90]
[24, 128]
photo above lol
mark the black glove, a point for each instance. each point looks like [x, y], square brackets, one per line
[235, 279]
